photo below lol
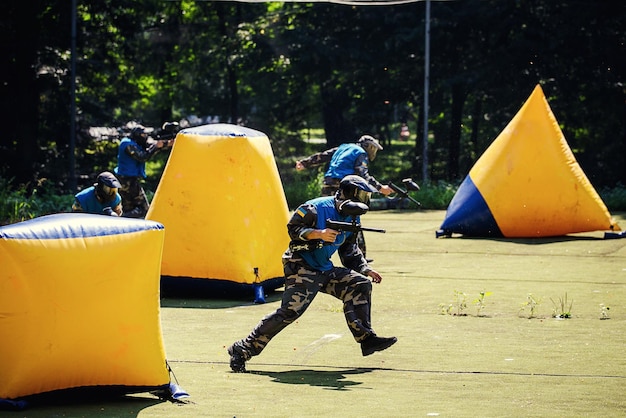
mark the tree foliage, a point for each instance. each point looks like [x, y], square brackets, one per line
[283, 68]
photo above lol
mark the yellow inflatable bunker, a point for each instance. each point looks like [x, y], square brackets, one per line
[224, 210]
[73, 312]
[527, 184]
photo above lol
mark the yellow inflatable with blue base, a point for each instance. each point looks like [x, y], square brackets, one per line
[527, 184]
[224, 209]
[79, 305]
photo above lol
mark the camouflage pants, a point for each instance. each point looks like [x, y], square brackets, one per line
[301, 287]
[330, 186]
[134, 201]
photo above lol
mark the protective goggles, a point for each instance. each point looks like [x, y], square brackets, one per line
[108, 191]
[362, 196]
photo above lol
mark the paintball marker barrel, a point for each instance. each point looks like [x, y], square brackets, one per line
[353, 226]
[352, 209]
[409, 185]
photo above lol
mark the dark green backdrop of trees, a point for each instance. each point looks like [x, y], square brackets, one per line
[283, 68]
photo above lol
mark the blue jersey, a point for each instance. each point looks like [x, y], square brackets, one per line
[347, 159]
[90, 203]
[128, 166]
[320, 209]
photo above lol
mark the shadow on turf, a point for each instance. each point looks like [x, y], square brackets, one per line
[82, 402]
[532, 241]
[182, 292]
[215, 302]
[330, 379]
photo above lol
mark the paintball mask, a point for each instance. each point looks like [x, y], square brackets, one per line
[370, 145]
[107, 186]
[139, 135]
[356, 189]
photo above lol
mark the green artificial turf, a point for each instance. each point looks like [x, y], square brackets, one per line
[450, 361]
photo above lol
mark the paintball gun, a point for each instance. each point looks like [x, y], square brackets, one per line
[352, 209]
[409, 186]
[167, 133]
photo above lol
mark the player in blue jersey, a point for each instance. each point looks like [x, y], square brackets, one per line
[349, 158]
[102, 198]
[308, 270]
[346, 159]
[132, 154]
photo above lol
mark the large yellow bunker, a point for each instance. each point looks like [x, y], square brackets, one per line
[73, 312]
[224, 208]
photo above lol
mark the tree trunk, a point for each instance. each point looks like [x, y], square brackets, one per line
[20, 98]
[231, 73]
[476, 117]
[454, 145]
[333, 108]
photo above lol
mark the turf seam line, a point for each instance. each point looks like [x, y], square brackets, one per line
[592, 376]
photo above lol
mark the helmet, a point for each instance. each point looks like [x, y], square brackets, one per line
[356, 189]
[367, 140]
[106, 186]
[137, 134]
[371, 145]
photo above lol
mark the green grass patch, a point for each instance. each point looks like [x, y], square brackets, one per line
[495, 360]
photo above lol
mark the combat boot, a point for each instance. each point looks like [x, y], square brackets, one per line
[237, 359]
[374, 343]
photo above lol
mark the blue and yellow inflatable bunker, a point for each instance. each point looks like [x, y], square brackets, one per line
[224, 210]
[527, 184]
[79, 305]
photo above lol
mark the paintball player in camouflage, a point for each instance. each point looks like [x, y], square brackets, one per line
[308, 270]
[344, 160]
[102, 198]
[347, 159]
[132, 154]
